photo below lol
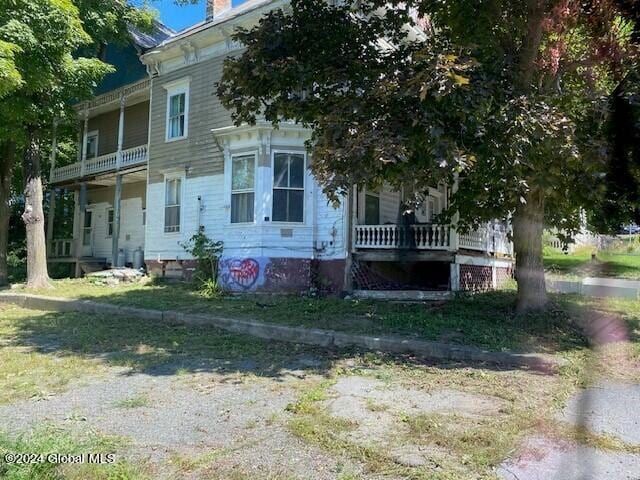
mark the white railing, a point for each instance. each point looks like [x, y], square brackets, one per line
[102, 164]
[61, 248]
[488, 238]
[419, 237]
[134, 156]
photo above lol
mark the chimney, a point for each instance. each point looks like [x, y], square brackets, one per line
[217, 7]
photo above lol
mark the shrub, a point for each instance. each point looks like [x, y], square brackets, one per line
[207, 254]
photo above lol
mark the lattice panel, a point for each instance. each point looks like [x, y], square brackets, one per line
[475, 278]
[365, 278]
[503, 275]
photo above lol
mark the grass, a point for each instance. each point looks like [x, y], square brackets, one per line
[134, 402]
[50, 440]
[485, 320]
[44, 352]
[580, 264]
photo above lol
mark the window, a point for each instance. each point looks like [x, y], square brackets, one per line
[92, 144]
[242, 188]
[87, 229]
[371, 209]
[177, 110]
[288, 187]
[172, 205]
[110, 222]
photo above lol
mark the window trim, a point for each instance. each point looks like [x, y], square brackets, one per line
[178, 87]
[91, 134]
[304, 186]
[167, 179]
[254, 190]
[111, 209]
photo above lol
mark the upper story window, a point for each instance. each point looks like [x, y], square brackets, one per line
[172, 201]
[92, 144]
[288, 187]
[177, 110]
[243, 168]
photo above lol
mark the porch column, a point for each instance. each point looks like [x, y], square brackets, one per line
[120, 133]
[454, 277]
[85, 137]
[453, 231]
[52, 197]
[81, 206]
[116, 221]
[350, 234]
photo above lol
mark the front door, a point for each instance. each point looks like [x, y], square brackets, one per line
[87, 234]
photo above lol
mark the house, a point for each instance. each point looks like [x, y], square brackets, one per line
[161, 160]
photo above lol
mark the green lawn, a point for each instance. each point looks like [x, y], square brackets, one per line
[485, 320]
[619, 265]
[47, 352]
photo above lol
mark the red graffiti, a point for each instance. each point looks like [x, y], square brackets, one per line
[244, 273]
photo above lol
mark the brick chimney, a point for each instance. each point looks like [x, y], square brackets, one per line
[217, 7]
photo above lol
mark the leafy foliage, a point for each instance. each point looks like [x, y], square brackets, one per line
[207, 253]
[388, 103]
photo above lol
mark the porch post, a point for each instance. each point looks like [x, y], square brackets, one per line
[120, 133]
[455, 276]
[85, 137]
[52, 197]
[116, 221]
[350, 236]
[81, 207]
[453, 231]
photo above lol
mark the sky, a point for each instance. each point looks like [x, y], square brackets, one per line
[180, 18]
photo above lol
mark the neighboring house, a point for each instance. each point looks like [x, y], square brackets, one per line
[161, 159]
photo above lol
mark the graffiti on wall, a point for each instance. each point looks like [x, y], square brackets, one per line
[265, 274]
[240, 273]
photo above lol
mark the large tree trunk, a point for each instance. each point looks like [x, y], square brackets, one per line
[33, 216]
[7, 158]
[528, 226]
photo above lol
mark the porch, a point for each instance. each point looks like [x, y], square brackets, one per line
[382, 222]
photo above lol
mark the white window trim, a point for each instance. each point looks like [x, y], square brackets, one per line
[93, 133]
[110, 209]
[255, 189]
[176, 88]
[167, 178]
[304, 187]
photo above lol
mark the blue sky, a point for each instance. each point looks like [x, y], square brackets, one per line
[179, 18]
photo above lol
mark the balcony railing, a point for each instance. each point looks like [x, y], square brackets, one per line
[418, 237]
[102, 164]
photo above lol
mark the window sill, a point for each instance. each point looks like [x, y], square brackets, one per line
[176, 139]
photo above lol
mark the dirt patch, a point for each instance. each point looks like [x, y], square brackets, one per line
[380, 411]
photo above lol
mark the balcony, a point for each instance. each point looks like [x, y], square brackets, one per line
[108, 163]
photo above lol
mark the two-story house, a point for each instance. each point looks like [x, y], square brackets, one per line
[161, 159]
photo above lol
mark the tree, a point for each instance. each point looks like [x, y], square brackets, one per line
[510, 96]
[41, 40]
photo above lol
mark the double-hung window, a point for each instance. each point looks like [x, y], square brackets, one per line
[288, 187]
[177, 110]
[110, 222]
[243, 169]
[172, 205]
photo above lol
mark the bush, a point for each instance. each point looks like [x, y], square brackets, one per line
[207, 254]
